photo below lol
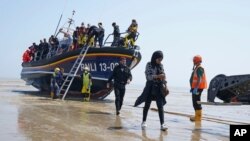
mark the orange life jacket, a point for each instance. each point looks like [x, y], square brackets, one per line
[203, 81]
[26, 56]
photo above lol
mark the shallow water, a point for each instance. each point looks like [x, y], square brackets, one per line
[28, 115]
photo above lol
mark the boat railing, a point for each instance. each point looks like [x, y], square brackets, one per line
[115, 42]
[40, 55]
[65, 45]
[51, 52]
[60, 49]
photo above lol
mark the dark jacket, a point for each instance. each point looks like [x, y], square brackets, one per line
[101, 32]
[149, 88]
[121, 74]
[93, 30]
[57, 79]
[146, 91]
[116, 31]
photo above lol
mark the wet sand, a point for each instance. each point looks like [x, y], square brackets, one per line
[28, 115]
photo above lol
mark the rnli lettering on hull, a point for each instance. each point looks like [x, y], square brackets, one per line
[100, 66]
[91, 66]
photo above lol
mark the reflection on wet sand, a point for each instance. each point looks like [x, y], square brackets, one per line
[31, 116]
[117, 124]
[72, 120]
[162, 134]
[196, 132]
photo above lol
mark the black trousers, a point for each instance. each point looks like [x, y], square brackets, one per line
[196, 98]
[159, 103]
[100, 41]
[119, 95]
[115, 41]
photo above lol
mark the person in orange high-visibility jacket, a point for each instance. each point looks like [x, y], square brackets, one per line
[198, 82]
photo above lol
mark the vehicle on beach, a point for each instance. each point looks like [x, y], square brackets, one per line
[232, 90]
[101, 62]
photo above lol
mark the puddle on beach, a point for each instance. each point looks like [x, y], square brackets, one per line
[30, 116]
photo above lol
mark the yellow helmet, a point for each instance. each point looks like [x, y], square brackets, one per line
[86, 68]
[57, 69]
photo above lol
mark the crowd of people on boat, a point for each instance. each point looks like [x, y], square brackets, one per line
[82, 36]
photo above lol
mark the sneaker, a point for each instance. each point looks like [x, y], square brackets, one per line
[164, 127]
[117, 113]
[143, 125]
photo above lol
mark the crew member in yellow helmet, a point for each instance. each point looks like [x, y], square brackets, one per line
[55, 83]
[86, 84]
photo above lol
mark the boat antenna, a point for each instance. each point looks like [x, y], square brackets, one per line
[65, 3]
[71, 20]
[58, 24]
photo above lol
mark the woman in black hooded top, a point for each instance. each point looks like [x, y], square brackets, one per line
[155, 76]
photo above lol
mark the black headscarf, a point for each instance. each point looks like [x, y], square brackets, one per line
[156, 55]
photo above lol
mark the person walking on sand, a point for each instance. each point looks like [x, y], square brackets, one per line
[155, 76]
[121, 76]
[198, 82]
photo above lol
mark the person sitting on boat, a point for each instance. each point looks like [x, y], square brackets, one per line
[82, 36]
[75, 38]
[87, 28]
[121, 42]
[66, 41]
[132, 30]
[116, 34]
[56, 82]
[26, 56]
[101, 32]
[45, 48]
[86, 84]
[39, 50]
[53, 41]
[32, 49]
[82, 26]
[83, 29]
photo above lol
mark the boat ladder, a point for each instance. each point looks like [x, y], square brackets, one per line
[72, 73]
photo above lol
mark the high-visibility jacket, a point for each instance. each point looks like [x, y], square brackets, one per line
[203, 80]
[26, 56]
[82, 39]
[133, 28]
[86, 83]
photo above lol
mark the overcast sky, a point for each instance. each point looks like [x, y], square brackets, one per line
[218, 30]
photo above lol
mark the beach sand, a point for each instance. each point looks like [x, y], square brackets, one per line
[28, 115]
